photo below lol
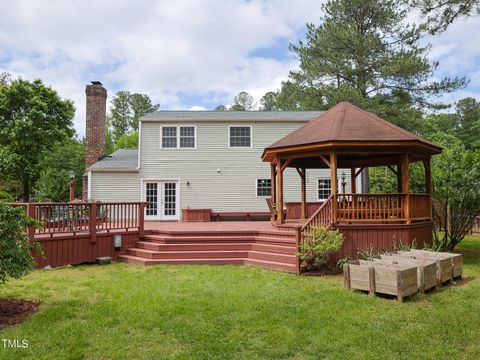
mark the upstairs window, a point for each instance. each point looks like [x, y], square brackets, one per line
[187, 137]
[264, 187]
[240, 136]
[178, 137]
[324, 188]
[169, 136]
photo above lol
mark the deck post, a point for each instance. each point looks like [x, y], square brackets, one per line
[405, 187]
[279, 192]
[334, 184]
[141, 219]
[31, 213]
[92, 222]
[428, 183]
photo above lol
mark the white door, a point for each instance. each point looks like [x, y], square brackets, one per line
[162, 200]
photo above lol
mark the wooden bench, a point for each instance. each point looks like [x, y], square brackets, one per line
[248, 215]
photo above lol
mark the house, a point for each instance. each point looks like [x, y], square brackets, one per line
[206, 161]
[235, 163]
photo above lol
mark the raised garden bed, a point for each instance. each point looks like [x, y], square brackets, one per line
[381, 277]
[456, 259]
[444, 264]
[426, 270]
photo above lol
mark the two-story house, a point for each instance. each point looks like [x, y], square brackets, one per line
[197, 160]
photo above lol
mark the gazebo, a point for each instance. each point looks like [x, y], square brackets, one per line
[347, 137]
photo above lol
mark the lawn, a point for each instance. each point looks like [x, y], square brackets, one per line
[125, 311]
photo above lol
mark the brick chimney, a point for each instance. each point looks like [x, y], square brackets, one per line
[96, 111]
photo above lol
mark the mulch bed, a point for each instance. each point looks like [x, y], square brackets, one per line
[14, 311]
[323, 272]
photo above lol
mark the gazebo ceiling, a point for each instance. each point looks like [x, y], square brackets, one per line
[354, 134]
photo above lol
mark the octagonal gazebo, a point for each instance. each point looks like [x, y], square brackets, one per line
[347, 137]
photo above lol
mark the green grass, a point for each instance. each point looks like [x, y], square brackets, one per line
[124, 311]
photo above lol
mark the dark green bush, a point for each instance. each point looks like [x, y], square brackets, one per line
[16, 249]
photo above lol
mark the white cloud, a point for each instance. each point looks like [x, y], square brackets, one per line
[181, 52]
[197, 108]
[171, 50]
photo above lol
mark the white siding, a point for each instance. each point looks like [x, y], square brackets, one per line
[109, 186]
[231, 189]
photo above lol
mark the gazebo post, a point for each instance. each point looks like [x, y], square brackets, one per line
[333, 184]
[399, 177]
[428, 183]
[353, 181]
[303, 185]
[279, 192]
[405, 187]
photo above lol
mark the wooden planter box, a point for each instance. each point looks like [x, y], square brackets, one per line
[457, 260]
[196, 215]
[426, 270]
[379, 277]
[444, 265]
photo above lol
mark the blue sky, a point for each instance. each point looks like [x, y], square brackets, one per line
[184, 54]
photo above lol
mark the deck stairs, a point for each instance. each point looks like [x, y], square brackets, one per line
[271, 249]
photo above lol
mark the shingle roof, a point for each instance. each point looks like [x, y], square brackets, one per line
[166, 115]
[346, 122]
[120, 159]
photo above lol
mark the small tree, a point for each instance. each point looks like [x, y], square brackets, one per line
[243, 102]
[16, 258]
[456, 190]
[318, 245]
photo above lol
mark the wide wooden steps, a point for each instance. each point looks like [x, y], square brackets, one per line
[268, 249]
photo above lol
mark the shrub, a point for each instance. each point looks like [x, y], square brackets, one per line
[317, 246]
[16, 258]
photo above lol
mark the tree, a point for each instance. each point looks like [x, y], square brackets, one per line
[456, 190]
[221, 108]
[125, 111]
[53, 184]
[243, 102]
[120, 114]
[365, 53]
[467, 122]
[33, 117]
[141, 105]
[441, 13]
[16, 258]
[269, 101]
[127, 141]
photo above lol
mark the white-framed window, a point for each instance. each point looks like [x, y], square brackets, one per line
[239, 136]
[178, 137]
[264, 187]
[324, 188]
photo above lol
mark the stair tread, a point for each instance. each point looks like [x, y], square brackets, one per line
[133, 257]
[270, 253]
[186, 251]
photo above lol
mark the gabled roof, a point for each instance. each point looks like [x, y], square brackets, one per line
[274, 116]
[122, 159]
[347, 123]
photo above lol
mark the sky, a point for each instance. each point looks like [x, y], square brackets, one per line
[185, 54]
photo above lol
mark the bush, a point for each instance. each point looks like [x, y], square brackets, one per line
[16, 258]
[6, 197]
[317, 246]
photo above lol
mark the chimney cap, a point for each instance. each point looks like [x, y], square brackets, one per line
[96, 82]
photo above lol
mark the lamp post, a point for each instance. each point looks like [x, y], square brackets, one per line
[344, 183]
[71, 175]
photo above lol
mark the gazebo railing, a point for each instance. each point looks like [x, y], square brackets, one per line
[370, 207]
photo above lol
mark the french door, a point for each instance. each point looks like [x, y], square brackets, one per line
[162, 200]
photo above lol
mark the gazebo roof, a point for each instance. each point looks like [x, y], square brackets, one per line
[347, 124]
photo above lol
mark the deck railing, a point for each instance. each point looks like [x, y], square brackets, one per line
[93, 217]
[323, 217]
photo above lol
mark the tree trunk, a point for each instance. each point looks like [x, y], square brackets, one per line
[365, 181]
[26, 189]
